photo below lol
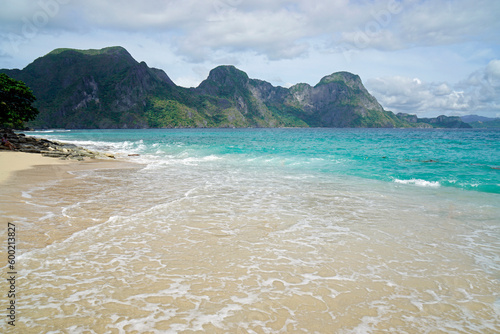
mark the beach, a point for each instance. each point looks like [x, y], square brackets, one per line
[257, 231]
[10, 162]
[21, 172]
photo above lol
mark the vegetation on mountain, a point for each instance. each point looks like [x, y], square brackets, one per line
[107, 88]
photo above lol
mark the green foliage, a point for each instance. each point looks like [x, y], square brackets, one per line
[91, 52]
[15, 102]
[377, 119]
[343, 78]
[170, 114]
[289, 116]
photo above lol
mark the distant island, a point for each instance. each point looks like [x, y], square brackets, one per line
[481, 121]
[108, 88]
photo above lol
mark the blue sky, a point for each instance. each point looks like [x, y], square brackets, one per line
[421, 57]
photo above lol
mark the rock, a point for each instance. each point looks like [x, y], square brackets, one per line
[31, 150]
[50, 148]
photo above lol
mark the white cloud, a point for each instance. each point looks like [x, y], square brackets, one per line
[479, 93]
[277, 29]
[492, 72]
[273, 34]
[411, 23]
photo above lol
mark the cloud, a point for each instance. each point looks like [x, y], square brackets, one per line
[479, 93]
[413, 24]
[145, 15]
[277, 29]
[483, 87]
[272, 34]
[407, 24]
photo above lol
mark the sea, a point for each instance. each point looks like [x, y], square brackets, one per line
[268, 231]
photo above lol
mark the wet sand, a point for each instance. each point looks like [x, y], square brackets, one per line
[20, 172]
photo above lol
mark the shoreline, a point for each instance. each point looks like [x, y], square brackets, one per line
[21, 173]
[15, 161]
[31, 152]
[19, 142]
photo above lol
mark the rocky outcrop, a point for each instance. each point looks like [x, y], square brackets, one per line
[341, 100]
[52, 149]
[338, 100]
[238, 97]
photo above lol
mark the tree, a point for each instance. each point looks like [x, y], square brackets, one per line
[15, 102]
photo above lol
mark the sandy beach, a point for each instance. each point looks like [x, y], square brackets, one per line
[10, 162]
[21, 172]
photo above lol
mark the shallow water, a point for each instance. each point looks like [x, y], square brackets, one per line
[269, 231]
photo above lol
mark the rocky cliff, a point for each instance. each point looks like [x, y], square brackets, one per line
[107, 88]
[338, 100]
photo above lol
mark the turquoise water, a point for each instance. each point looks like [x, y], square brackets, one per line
[268, 231]
[464, 159]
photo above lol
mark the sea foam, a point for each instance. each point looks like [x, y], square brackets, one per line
[419, 182]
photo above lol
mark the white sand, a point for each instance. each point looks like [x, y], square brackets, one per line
[11, 162]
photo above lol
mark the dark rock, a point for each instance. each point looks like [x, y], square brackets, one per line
[49, 148]
[31, 150]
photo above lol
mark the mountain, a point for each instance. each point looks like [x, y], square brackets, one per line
[338, 100]
[475, 118]
[108, 88]
[91, 88]
[451, 122]
[481, 122]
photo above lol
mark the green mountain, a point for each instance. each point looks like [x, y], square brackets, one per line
[91, 89]
[107, 88]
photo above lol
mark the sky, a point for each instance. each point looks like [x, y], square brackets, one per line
[423, 57]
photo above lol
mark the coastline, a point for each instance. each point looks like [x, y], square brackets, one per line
[14, 161]
[22, 172]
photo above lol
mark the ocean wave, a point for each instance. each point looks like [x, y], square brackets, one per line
[419, 182]
[124, 147]
[49, 131]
